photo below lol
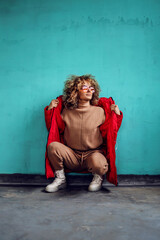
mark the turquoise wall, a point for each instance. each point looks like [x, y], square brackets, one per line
[42, 42]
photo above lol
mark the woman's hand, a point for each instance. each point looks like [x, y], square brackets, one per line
[115, 108]
[54, 103]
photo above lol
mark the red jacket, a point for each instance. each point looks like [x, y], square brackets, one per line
[109, 129]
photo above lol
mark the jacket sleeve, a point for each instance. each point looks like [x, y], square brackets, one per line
[116, 121]
[48, 116]
[119, 120]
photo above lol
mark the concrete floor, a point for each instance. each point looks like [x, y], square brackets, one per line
[119, 213]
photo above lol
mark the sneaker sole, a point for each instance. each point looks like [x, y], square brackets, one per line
[94, 190]
[62, 186]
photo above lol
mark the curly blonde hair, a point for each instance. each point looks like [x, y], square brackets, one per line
[72, 86]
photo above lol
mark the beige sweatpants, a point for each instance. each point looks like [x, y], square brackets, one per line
[61, 155]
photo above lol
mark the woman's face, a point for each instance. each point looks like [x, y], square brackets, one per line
[86, 91]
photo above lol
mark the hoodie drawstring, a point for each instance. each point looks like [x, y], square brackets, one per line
[82, 159]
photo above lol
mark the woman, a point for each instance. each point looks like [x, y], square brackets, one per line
[82, 148]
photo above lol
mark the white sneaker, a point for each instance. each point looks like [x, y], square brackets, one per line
[58, 183]
[96, 183]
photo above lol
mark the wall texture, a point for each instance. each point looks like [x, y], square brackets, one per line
[42, 42]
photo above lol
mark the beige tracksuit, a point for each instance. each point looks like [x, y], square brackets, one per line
[82, 141]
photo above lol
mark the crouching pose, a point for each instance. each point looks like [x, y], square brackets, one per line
[82, 140]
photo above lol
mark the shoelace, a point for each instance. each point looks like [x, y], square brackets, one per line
[57, 180]
[97, 178]
[60, 174]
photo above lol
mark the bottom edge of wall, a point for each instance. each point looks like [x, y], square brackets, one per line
[17, 179]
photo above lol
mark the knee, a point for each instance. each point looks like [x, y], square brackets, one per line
[53, 147]
[100, 169]
[98, 164]
[104, 169]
